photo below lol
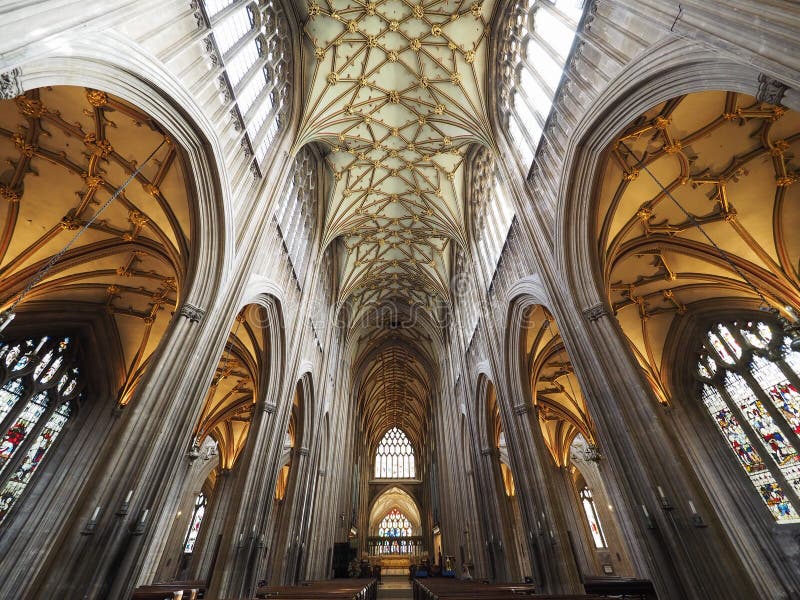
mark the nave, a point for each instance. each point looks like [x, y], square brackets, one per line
[301, 298]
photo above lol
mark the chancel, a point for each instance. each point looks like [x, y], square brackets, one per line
[370, 299]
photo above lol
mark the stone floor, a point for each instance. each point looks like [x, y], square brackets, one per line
[395, 587]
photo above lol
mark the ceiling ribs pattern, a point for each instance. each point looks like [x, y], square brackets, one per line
[731, 163]
[396, 96]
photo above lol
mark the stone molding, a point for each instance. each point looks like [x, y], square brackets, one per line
[522, 409]
[10, 86]
[194, 313]
[770, 90]
[302, 451]
[596, 312]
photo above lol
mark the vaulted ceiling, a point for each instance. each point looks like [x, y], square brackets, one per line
[726, 162]
[63, 152]
[396, 95]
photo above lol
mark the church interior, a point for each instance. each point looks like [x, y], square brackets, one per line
[372, 298]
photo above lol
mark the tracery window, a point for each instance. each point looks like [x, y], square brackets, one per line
[749, 379]
[394, 524]
[40, 383]
[296, 214]
[541, 34]
[194, 524]
[492, 213]
[252, 40]
[394, 458]
[590, 509]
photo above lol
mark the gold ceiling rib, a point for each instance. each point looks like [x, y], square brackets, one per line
[69, 149]
[228, 408]
[556, 391]
[396, 95]
[721, 155]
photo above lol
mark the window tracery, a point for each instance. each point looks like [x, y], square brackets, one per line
[394, 458]
[253, 42]
[394, 524]
[492, 212]
[540, 37]
[41, 381]
[749, 385]
[296, 215]
[590, 509]
[198, 513]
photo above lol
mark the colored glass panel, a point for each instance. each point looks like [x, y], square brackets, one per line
[783, 394]
[194, 524]
[16, 434]
[394, 457]
[750, 460]
[593, 518]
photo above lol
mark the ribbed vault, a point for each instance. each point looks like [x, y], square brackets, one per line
[396, 93]
[228, 408]
[63, 152]
[556, 391]
[731, 163]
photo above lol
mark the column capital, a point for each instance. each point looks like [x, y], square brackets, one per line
[302, 451]
[486, 451]
[10, 86]
[522, 409]
[770, 90]
[596, 312]
[269, 408]
[192, 312]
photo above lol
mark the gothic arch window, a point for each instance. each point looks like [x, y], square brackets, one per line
[492, 213]
[540, 37]
[394, 458]
[395, 524]
[40, 383]
[296, 215]
[198, 513]
[592, 518]
[748, 382]
[252, 41]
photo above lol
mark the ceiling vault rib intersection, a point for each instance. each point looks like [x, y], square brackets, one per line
[395, 93]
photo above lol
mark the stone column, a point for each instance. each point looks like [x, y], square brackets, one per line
[649, 481]
[538, 491]
[242, 545]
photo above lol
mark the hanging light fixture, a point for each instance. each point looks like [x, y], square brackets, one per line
[790, 329]
[8, 315]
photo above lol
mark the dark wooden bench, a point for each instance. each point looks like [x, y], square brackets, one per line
[449, 589]
[620, 587]
[173, 590]
[334, 589]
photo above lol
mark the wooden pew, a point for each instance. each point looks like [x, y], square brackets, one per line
[448, 589]
[174, 590]
[334, 589]
[620, 587]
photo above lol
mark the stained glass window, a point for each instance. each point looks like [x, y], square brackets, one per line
[35, 404]
[194, 523]
[395, 524]
[395, 456]
[749, 376]
[593, 518]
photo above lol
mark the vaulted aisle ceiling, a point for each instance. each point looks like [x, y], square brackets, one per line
[396, 94]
